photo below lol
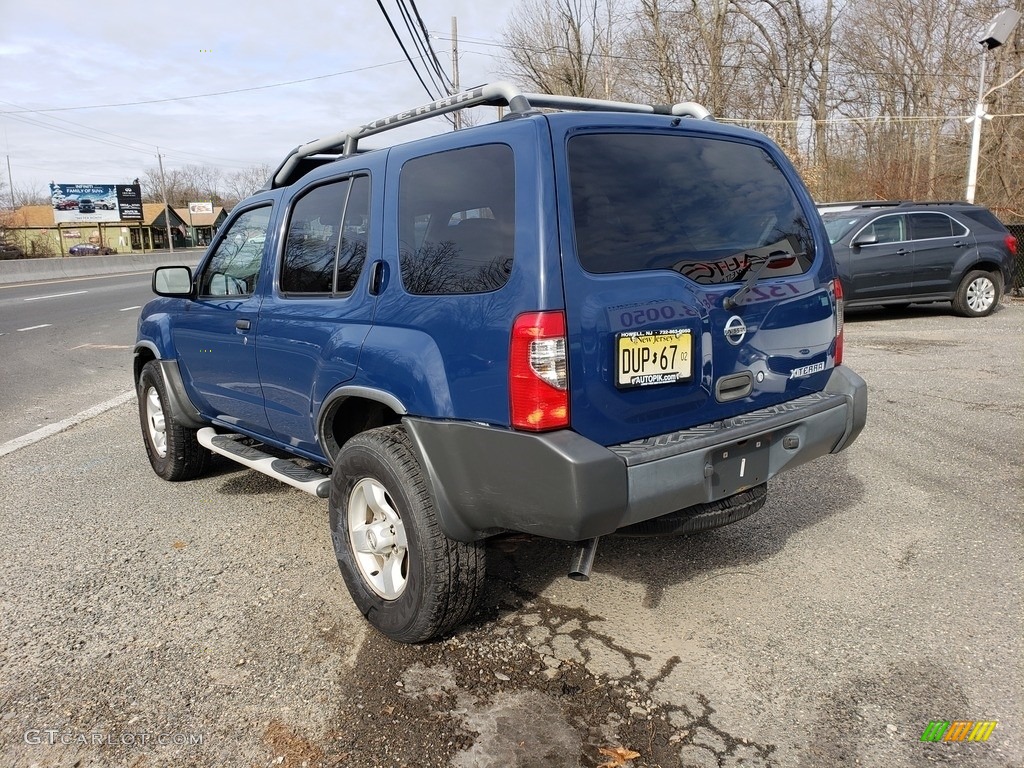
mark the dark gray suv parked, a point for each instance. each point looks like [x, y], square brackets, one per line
[900, 253]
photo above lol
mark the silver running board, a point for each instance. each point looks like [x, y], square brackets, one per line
[284, 470]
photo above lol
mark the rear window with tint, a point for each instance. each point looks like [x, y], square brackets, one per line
[702, 207]
[983, 216]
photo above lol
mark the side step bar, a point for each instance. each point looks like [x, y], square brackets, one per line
[281, 469]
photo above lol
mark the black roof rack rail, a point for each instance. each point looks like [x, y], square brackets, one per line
[935, 202]
[498, 94]
[863, 203]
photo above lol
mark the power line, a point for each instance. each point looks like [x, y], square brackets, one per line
[433, 53]
[206, 95]
[421, 48]
[405, 51]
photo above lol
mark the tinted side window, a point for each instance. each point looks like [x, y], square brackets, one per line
[312, 242]
[235, 266]
[703, 207]
[928, 225]
[354, 231]
[888, 229]
[457, 219]
[327, 237]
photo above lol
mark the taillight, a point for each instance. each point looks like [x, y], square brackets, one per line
[1011, 244]
[836, 288]
[538, 372]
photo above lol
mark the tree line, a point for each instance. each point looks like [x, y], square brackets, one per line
[869, 99]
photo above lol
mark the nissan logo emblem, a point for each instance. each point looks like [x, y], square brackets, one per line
[735, 330]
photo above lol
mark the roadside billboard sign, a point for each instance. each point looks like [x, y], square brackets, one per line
[81, 203]
[195, 208]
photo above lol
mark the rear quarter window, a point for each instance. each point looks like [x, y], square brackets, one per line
[457, 218]
[699, 206]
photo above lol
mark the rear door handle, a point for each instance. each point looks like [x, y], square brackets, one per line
[243, 325]
[960, 244]
[902, 252]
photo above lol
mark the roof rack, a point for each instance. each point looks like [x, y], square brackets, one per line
[851, 204]
[498, 94]
[862, 203]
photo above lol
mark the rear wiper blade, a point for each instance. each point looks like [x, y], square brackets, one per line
[761, 263]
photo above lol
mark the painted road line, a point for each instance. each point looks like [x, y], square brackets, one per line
[54, 296]
[126, 309]
[34, 327]
[62, 426]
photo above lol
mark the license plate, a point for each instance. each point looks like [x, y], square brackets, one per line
[653, 357]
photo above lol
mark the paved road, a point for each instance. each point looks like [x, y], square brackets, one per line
[877, 590]
[65, 345]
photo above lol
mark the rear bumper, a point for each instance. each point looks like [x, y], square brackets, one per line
[561, 485]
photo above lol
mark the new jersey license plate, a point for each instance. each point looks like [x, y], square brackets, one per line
[643, 358]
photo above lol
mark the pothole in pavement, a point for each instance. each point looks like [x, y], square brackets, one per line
[512, 690]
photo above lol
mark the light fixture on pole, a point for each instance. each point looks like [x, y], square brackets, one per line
[996, 34]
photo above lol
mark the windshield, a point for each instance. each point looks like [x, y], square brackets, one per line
[702, 207]
[838, 224]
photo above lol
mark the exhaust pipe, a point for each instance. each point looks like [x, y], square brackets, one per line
[583, 559]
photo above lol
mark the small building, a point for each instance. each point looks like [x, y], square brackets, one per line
[202, 226]
[32, 229]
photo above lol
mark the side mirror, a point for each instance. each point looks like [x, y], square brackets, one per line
[865, 238]
[173, 282]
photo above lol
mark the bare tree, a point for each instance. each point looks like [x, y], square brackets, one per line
[563, 46]
[248, 181]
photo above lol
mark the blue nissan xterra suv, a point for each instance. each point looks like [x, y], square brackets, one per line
[597, 318]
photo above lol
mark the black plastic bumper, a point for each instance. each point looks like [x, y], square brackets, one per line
[563, 486]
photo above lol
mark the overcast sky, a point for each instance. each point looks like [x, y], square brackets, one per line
[63, 61]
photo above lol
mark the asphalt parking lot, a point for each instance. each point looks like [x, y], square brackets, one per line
[205, 624]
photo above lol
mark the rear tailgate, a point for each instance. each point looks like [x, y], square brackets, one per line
[665, 227]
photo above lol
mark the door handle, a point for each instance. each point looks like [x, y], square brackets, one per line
[902, 252]
[243, 325]
[960, 244]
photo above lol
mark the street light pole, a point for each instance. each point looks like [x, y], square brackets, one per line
[996, 34]
[979, 115]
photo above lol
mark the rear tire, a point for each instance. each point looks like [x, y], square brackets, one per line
[977, 294]
[702, 517]
[174, 451]
[406, 577]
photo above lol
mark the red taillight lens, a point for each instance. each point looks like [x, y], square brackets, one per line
[538, 372]
[1011, 244]
[837, 291]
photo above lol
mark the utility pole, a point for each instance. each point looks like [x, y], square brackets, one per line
[455, 68]
[163, 191]
[10, 182]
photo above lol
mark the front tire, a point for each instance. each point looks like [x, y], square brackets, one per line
[174, 451]
[406, 577]
[977, 294]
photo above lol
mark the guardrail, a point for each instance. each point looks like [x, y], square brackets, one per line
[33, 270]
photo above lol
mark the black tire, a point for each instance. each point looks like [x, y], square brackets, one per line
[174, 451]
[702, 517]
[406, 577]
[978, 294]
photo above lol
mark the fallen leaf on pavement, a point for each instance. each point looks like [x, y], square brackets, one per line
[619, 756]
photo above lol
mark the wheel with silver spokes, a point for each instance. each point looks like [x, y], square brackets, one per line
[977, 294]
[407, 578]
[155, 422]
[376, 534]
[173, 449]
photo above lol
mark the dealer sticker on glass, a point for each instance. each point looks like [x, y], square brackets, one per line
[653, 357]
